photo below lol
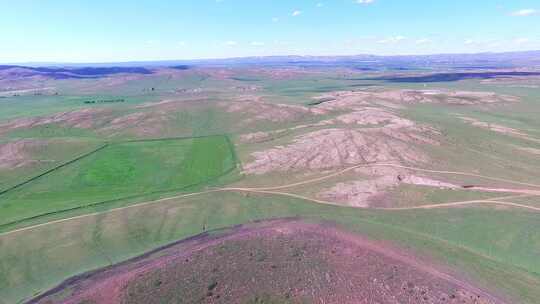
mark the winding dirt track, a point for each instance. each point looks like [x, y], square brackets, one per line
[492, 201]
[394, 166]
[456, 204]
[271, 190]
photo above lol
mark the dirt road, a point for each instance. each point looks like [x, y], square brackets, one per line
[271, 190]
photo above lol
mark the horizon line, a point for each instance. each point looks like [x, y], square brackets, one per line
[23, 63]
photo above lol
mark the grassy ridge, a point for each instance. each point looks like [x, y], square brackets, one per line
[492, 247]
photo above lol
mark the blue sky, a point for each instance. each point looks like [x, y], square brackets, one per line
[121, 30]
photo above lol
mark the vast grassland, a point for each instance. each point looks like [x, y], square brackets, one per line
[496, 247]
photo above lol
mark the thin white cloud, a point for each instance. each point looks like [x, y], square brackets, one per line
[257, 43]
[279, 42]
[275, 19]
[522, 40]
[231, 43]
[486, 43]
[296, 13]
[525, 12]
[320, 4]
[394, 39]
[494, 43]
[423, 41]
[365, 1]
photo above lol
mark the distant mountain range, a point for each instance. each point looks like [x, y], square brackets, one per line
[464, 61]
[66, 72]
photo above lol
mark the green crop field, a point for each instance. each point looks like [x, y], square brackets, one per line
[121, 170]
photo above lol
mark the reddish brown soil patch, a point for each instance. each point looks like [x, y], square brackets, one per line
[286, 260]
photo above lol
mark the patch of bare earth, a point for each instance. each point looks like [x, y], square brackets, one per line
[529, 150]
[85, 119]
[373, 133]
[282, 73]
[17, 154]
[336, 148]
[29, 91]
[256, 110]
[374, 116]
[286, 260]
[494, 127]
[163, 104]
[363, 107]
[139, 123]
[529, 81]
[256, 137]
[144, 123]
[377, 182]
[358, 114]
[397, 98]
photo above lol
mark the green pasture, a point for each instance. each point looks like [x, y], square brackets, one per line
[29, 106]
[119, 171]
[47, 154]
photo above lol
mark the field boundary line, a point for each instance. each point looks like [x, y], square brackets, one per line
[103, 146]
[168, 138]
[233, 167]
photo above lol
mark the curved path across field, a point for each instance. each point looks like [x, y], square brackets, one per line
[272, 191]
